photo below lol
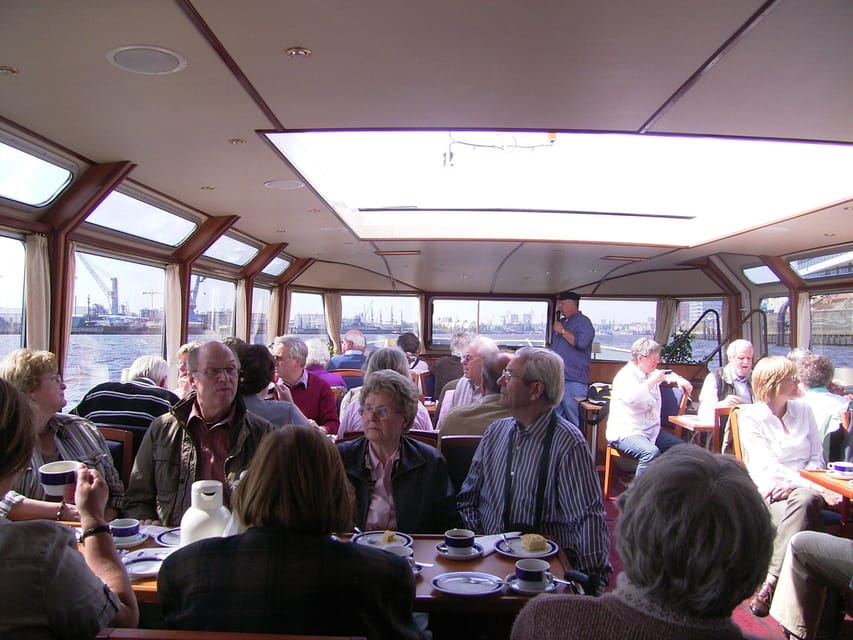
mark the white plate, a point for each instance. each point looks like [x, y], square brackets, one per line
[475, 552]
[374, 539]
[467, 583]
[170, 538]
[144, 563]
[130, 541]
[512, 549]
[841, 475]
[513, 584]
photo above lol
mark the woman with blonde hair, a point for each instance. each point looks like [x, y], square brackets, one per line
[59, 436]
[278, 576]
[779, 438]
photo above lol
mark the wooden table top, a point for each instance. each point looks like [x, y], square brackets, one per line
[825, 479]
[426, 597]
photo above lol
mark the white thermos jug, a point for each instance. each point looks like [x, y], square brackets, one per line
[207, 517]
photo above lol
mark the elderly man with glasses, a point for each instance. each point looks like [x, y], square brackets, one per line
[208, 435]
[467, 390]
[533, 471]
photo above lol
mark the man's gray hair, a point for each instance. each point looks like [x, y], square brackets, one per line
[735, 346]
[644, 347]
[357, 339]
[484, 346]
[295, 347]
[545, 366]
[152, 367]
[458, 343]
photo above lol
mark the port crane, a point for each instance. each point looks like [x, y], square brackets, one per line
[110, 292]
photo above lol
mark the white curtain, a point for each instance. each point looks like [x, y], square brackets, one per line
[70, 277]
[804, 320]
[275, 312]
[37, 291]
[334, 315]
[421, 323]
[241, 324]
[665, 319]
[174, 321]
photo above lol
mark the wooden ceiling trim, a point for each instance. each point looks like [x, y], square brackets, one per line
[203, 238]
[265, 255]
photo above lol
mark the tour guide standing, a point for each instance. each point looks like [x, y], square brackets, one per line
[572, 341]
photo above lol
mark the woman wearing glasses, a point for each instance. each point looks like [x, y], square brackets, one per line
[779, 437]
[59, 436]
[400, 483]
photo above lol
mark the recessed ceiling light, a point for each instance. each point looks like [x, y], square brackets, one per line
[829, 235]
[298, 52]
[283, 185]
[281, 230]
[313, 211]
[146, 59]
[6, 70]
[207, 188]
[236, 141]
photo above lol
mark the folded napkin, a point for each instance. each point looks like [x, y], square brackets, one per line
[488, 542]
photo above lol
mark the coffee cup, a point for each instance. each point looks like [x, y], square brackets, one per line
[532, 574]
[403, 552]
[845, 468]
[459, 542]
[57, 477]
[124, 528]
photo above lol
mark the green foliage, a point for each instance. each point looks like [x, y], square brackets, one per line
[679, 350]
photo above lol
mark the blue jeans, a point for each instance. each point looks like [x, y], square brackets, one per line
[644, 451]
[569, 407]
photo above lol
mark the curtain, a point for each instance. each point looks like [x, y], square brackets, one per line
[804, 320]
[334, 315]
[241, 325]
[421, 323]
[275, 312]
[70, 277]
[174, 321]
[665, 319]
[37, 291]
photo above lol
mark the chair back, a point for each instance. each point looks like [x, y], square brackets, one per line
[162, 634]
[673, 402]
[120, 444]
[427, 437]
[458, 451]
[425, 382]
[352, 377]
[350, 435]
[734, 430]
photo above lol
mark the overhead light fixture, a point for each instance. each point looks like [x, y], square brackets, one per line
[623, 258]
[236, 141]
[283, 185]
[397, 253]
[6, 70]
[146, 59]
[298, 52]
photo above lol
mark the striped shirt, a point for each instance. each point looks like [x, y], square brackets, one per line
[572, 513]
[76, 439]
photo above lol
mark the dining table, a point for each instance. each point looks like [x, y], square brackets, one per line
[693, 424]
[841, 485]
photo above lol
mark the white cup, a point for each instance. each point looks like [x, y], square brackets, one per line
[459, 542]
[57, 477]
[403, 552]
[845, 468]
[532, 574]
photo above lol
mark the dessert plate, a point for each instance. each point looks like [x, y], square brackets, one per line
[144, 563]
[170, 538]
[467, 583]
[511, 548]
[374, 539]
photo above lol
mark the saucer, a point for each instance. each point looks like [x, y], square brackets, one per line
[170, 538]
[130, 541]
[144, 563]
[841, 475]
[513, 584]
[475, 552]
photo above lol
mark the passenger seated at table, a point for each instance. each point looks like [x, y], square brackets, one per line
[815, 373]
[59, 436]
[694, 537]
[318, 360]
[411, 345]
[391, 358]
[634, 423]
[285, 574]
[257, 369]
[49, 588]
[779, 438]
[399, 483]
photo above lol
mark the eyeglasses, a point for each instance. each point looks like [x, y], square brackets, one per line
[470, 356]
[509, 375]
[380, 412]
[214, 372]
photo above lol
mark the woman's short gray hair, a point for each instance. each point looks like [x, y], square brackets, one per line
[644, 347]
[387, 358]
[694, 534]
[399, 387]
[318, 353]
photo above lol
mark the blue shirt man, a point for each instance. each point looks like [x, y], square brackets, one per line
[572, 340]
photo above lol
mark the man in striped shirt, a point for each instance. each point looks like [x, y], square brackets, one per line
[533, 471]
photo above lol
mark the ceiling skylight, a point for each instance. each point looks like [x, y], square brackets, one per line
[643, 189]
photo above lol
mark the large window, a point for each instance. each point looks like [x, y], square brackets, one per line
[260, 316]
[618, 323]
[130, 215]
[118, 316]
[11, 295]
[307, 316]
[832, 327]
[778, 312]
[514, 323]
[381, 318]
[30, 180]
[211, 314]
[706, 338]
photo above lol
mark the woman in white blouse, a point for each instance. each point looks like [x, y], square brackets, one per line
[779, 438]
